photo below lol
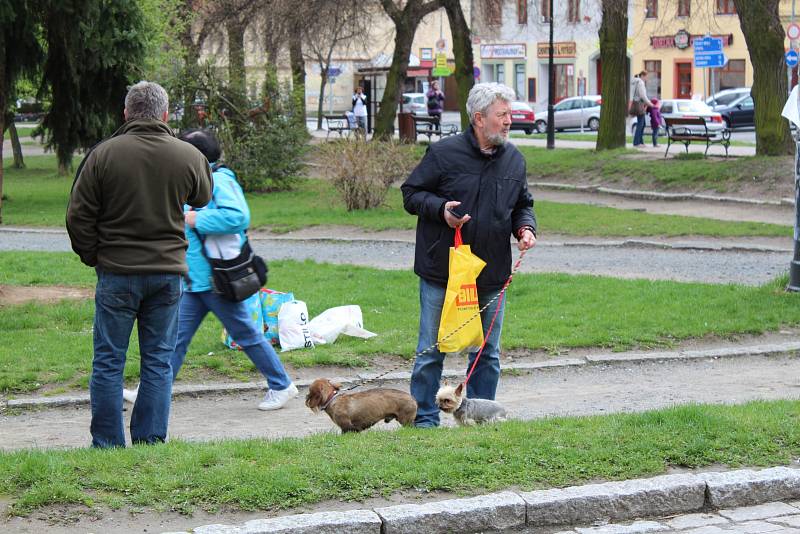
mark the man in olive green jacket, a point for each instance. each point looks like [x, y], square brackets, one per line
[125, 219]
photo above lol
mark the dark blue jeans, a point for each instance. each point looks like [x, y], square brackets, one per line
[152, 301]
[638, 134]
[427, 371]
[237, 321]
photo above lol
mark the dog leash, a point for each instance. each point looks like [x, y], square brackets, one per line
[499, 295]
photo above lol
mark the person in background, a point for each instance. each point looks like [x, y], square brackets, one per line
[435, 100]
[655, 119]
[360, 109]
[639, 98]
[125, 219]
[222, 224]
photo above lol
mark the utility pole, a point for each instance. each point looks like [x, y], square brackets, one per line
[551, 86]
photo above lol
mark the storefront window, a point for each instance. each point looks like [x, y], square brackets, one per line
[653, 80]
[519, 80]
[500, 73]
[729, 76]
[565, 81]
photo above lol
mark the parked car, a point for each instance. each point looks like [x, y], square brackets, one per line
[739, 113]
[522, 117]
[415, 103]
[685, 108]
[572, 112]
[727, 96]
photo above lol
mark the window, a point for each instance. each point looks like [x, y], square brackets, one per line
[725, 7]
[653, 80]
[531, 89]
[522, 11]
[565, 85]
[729, 76]
[573, 10]
[545, 10]
[493, 12]
[684, 8]
[651, 9]
[519, 80]
[500, 73]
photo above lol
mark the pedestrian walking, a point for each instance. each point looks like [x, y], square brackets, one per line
[435, 100]
[481, 178]
[125, 219]
[639, 105]
[220, 226]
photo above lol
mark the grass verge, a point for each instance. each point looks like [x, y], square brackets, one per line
[49, 345]
[261, 475]
[37, 196]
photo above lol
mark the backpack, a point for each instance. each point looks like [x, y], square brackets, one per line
[433, 101]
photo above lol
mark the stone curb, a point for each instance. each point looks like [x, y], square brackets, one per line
[379, 378]
[659, 496]
[657, 195]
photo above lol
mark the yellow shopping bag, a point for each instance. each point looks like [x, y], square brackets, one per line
[460, 326]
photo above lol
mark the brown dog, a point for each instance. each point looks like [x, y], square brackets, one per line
[354, 412]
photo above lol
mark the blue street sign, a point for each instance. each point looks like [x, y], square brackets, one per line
[791, 58]
[710, 60]
[708, 45]
[334, 71]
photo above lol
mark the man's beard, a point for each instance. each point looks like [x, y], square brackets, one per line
[496, 139]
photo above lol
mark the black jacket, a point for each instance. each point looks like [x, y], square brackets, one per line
[492, 189]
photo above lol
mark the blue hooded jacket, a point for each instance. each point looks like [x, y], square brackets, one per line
[227, 213]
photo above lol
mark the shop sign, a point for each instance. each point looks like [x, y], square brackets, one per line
[503, 51]
[677, 40]
[682, 39]
[563, 49]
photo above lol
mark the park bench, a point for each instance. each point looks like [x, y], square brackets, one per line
[431, 126]
[338, 124]
[689, 129]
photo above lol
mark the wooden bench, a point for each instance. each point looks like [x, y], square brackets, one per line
[688, 129]
[431, 126]
[338, 124]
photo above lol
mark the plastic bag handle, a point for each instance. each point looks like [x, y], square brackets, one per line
[457, 241]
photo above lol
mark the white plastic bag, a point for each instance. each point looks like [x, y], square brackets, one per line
[293, 330]
[347, 320]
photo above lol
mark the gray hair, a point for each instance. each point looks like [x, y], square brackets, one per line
[483, 95]
[146, 100]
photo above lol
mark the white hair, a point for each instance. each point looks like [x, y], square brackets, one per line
[483, 95]
[146, 100]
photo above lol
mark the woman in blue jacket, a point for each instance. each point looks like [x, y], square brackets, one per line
[222, 224]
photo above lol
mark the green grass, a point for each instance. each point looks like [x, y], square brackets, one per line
[49, 345]
[23, 131]
[582, 165]
[37, 196]
[271, 475]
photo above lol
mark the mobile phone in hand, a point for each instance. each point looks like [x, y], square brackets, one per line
[457, 211]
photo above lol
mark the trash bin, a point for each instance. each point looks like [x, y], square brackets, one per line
[405, 126]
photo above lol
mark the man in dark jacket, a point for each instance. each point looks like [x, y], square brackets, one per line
[477, 181]
[125, 219]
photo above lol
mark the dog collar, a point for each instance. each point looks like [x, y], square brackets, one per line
[329, 401]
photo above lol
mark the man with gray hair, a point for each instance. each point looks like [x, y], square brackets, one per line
[125, 219]
[476, 181]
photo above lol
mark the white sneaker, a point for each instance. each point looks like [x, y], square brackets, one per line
[275, 400]
[131, 394]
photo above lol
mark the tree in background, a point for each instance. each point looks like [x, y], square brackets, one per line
[462, 53]
[613, 54]
[405, 19]
[763, 32]
[20, 55]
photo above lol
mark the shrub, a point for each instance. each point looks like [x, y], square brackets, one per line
[362, 171]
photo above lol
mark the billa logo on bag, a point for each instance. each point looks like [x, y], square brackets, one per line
[467, 295]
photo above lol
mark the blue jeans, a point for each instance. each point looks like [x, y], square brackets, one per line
[152, 301]
[638, 134]
[237, 321]
[428, 367]
[655, 136]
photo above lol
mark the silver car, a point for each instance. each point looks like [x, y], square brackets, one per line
[684, 108]
[572, 113]
[415, 103]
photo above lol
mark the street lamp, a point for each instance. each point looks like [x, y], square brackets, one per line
[551, 84]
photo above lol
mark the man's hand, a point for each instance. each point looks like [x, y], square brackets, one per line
[527, 240]
[190, 217]
[451, 220]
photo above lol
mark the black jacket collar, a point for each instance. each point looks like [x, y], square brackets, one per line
[469, 134]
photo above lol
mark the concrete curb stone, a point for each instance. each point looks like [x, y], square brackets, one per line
[603, 358]
[351, 522]
[732, 489]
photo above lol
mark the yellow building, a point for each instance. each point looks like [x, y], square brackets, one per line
[663, 32]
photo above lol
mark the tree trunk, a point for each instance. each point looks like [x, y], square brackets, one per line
[384, 120]
[298, 74]
[236, 66]
[462, 51]
[323, 76]
[613, 54]
[16, 148]
[763, 33]
[3, 105]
